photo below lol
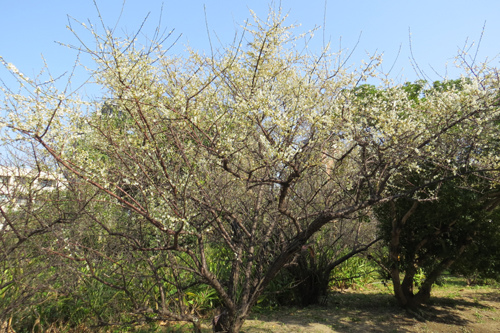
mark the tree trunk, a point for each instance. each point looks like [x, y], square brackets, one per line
[424, 292]
[402, 291]
[227, 323]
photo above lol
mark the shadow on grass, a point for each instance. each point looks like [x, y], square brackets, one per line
[447, 310]
[490, 297]
[362, 312]
[375, 311]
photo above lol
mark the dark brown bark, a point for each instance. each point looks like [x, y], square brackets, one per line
[404, 290]
[226, 323]
[402, 293]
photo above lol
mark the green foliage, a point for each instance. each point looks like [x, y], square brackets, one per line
[448, 224]
[353, 273]
[303, 285]
[447, 85]
[481, 260]
[415, 90]
[202, 299]
[281, 291]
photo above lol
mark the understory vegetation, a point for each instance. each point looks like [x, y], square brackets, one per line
[86, 307]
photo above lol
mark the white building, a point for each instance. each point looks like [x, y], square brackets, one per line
[18, 185]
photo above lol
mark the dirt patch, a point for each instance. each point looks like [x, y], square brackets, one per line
[374, 310]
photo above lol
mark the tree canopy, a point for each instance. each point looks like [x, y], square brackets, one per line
[430, 232]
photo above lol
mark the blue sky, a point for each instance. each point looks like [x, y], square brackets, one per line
[439, 28]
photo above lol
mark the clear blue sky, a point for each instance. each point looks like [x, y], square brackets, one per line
[29, 28]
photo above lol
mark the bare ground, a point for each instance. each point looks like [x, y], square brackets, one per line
[452, 309]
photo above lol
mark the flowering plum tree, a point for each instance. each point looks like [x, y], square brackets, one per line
[249, 151]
